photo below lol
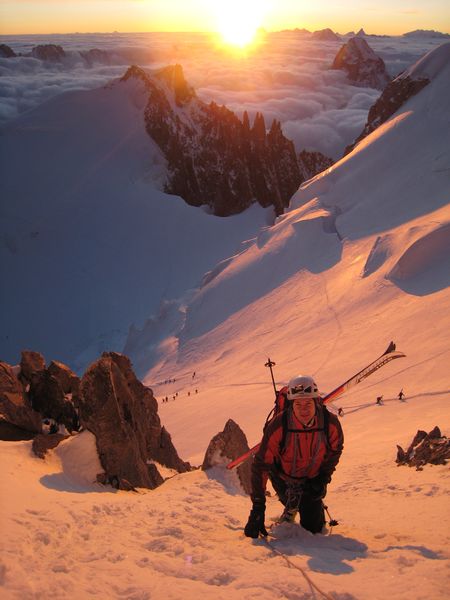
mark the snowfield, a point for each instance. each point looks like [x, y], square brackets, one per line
[185, 539]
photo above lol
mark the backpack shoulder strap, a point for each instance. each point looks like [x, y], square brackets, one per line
[326, 423]
[285, 427]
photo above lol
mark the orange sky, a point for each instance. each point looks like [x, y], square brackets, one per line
[65, 16]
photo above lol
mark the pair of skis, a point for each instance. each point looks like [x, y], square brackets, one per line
[382, 360]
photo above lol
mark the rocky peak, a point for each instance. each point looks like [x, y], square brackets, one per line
[362, 66]
[123, 415]
[135, 72]
[409, 83]
[50, 52]
[226, 446]
[213, 157]
[173, 76]
[31, 362]
[6, 51]
[259, 128]
[326, 35]
[94, 55]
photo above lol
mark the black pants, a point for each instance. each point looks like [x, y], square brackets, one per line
[312, 514]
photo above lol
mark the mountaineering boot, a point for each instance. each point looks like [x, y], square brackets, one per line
[288, 515]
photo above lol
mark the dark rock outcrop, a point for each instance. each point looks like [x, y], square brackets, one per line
[394, 95]
[96, 56]
[51, 392]
[42, 443]
[362, 66]
[312, 163]
[226, 446]
[31, 363]
[6, 51]
[12, 433]
[14, 405]
[213, 157]
[69, 382]
[426, 448]
[50, 52]
[123, 415]
[48, 398]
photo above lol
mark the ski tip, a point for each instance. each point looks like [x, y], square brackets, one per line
[390, 348]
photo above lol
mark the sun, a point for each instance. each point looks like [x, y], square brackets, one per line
[237, 21]
[239, 34]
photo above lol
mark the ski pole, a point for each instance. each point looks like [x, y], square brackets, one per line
[332, 522]
[271, 364]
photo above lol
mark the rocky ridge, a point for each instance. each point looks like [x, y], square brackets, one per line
[394, 95]
[214, 158]
[402, 88]
[312, 163]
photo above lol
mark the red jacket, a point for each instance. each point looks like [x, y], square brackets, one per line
[307, 452]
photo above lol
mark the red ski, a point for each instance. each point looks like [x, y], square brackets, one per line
[386, 357]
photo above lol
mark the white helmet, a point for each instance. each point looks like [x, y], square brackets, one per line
[302, 386]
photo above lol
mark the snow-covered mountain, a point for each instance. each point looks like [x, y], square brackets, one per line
[362, 66]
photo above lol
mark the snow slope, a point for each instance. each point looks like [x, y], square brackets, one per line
[60, 532]
[361, 257]
[88, 245]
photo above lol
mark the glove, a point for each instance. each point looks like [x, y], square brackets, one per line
[316, 488]
[255, 523]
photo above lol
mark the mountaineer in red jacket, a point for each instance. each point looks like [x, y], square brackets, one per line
[299, 452]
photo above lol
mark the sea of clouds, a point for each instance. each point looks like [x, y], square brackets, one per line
[288, 77]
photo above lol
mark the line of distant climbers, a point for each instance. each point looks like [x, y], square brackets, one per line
[166, 398]
[166, 381]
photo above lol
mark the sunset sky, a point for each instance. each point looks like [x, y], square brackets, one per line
[66, 16]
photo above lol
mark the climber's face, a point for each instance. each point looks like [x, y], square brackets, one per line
[304, 409]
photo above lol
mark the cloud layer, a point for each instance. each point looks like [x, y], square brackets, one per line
[288, 78]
